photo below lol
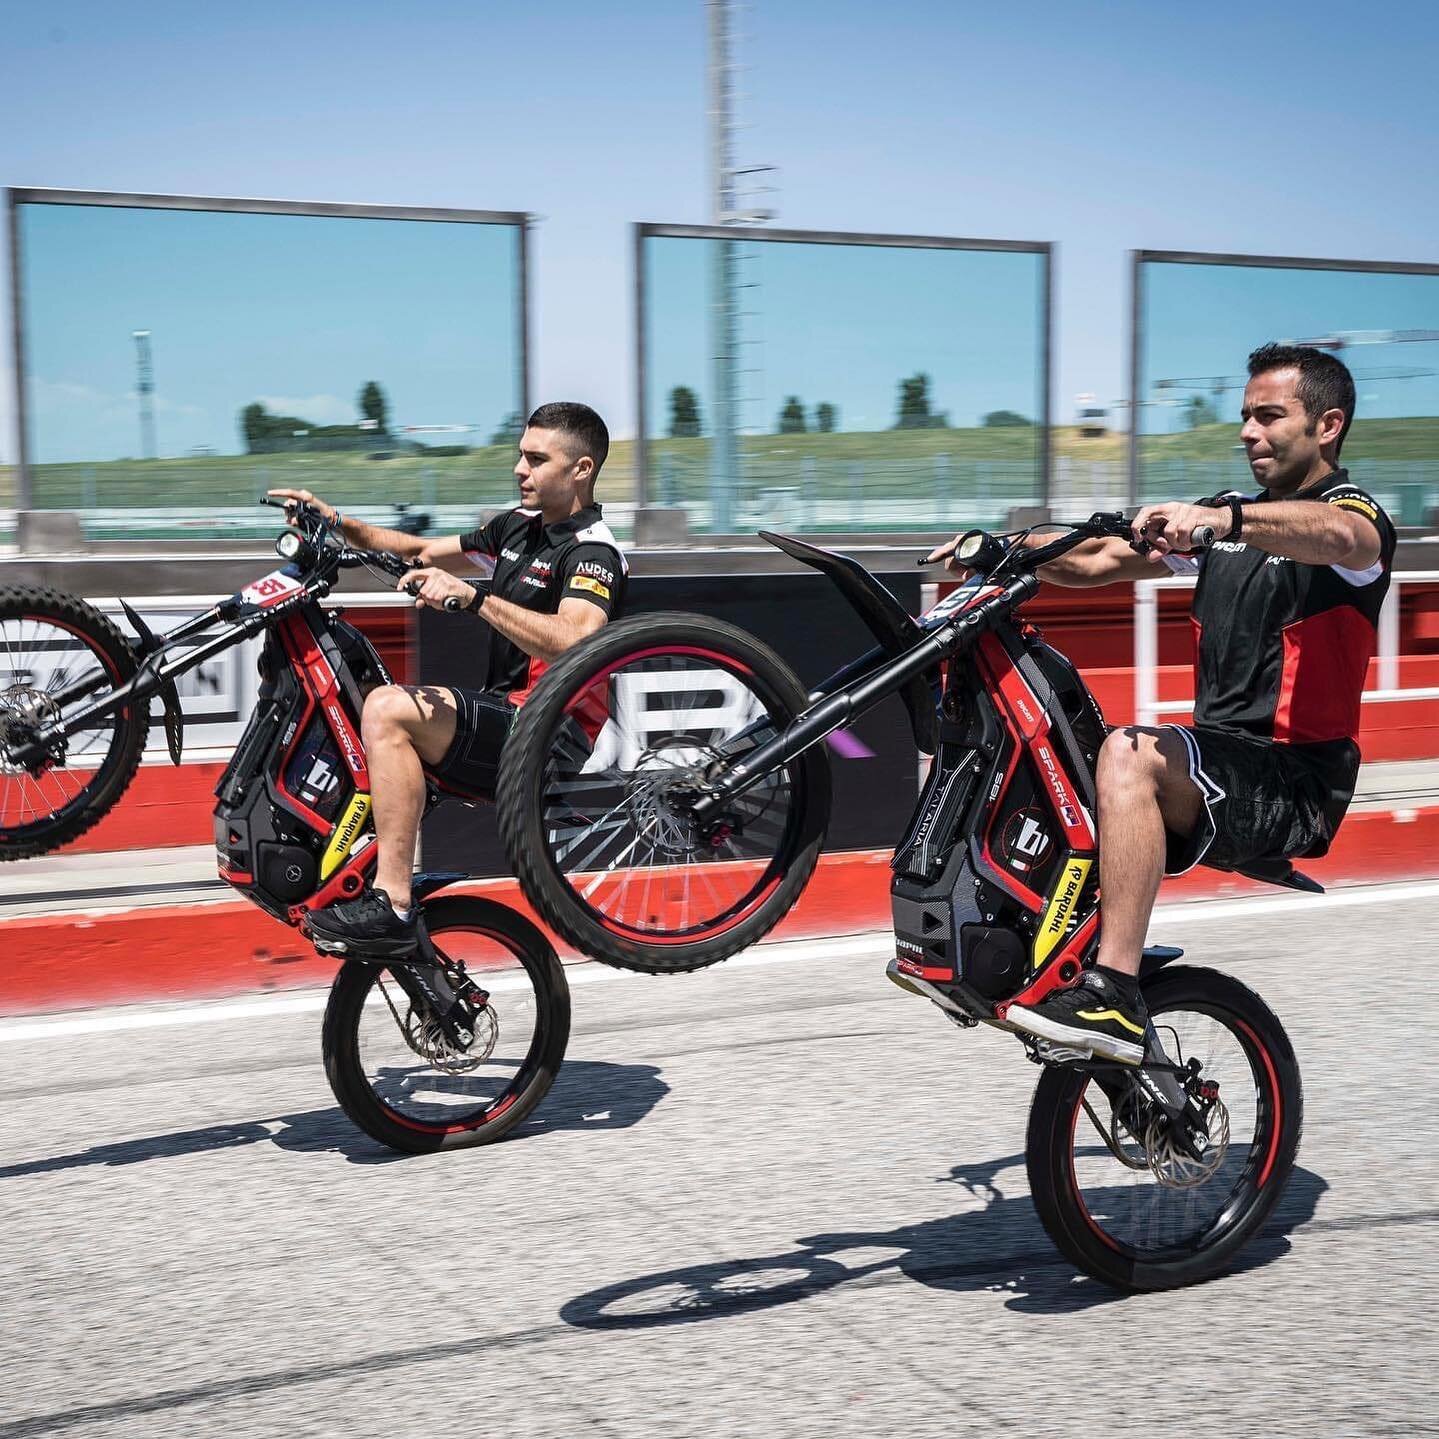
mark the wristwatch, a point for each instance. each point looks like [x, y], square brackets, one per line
[473, 608]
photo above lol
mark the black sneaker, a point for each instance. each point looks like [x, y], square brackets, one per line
[367, 926]
[1101, 1015]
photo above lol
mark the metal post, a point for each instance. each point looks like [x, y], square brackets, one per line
[1046, 384]
[1136, 341]
[24, 499]
[523, 318]
[642, 458]
[1389, 637]
[1146, 652]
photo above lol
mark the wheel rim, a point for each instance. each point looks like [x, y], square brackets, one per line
[39, 657]
[1141, 1210]
[421, 1082]
[633, 744]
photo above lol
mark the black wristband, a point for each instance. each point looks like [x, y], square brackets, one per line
[1236, 512]
[473, 608]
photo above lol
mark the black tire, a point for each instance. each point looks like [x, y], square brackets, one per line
[92, 800]
[501, 1112]
[521, 798]
[1242, 1199]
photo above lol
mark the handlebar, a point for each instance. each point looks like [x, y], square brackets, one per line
[316, 529]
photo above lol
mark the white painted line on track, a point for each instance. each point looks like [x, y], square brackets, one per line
[876, 944]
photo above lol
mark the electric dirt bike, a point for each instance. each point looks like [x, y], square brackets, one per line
[665, 797]
[454, 1048]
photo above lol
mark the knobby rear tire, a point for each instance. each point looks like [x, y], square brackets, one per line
[1053, 1115]
[519, 797]
[122, 759]
[340, 1038]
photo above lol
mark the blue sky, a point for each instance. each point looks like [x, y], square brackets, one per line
[1228, 126]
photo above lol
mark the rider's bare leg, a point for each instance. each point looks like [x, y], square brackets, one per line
[404, 727]
[1144, 788]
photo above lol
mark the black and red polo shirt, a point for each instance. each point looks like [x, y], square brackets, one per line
[1282, 648]
[537, 565]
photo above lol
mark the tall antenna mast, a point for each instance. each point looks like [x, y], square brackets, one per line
[145, 390]
[725, 301]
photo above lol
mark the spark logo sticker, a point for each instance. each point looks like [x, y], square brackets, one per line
[1061, 911]
[345, 834]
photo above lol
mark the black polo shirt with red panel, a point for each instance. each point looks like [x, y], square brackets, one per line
[1282, 648]
[537, 566]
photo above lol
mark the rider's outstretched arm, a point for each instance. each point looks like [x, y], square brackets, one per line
[357, 532]
[1097, 562]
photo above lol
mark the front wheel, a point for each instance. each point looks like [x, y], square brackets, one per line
[1119, 1198]
[396, 1074]
[619, 738]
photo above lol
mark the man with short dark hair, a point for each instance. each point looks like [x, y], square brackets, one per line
[552, 574]
[1286, 612]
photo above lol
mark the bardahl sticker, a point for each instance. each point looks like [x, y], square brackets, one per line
[584, 582]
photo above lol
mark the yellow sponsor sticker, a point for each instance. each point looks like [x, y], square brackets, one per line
[1062, 904]
[345, 835]
[584, 582]
[1353, 502]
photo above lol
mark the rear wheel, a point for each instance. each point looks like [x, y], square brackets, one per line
[617, 741]
[51, 643]
[403, 1082]
[1120, 1199]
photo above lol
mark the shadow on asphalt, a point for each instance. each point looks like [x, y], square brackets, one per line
[1001, 1248]
[587, 1095]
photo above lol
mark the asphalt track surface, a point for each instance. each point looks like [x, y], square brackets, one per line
[779, 1198]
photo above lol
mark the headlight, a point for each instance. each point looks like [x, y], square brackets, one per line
[289, 545]
[970, 546]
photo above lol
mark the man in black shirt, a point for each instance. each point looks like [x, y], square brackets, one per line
[1285, 614]
[548, 574]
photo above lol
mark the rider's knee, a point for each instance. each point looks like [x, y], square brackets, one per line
[387, 709]
[1129, 759]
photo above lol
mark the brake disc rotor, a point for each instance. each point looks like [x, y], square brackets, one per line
[23, 709]
[1173, 1166]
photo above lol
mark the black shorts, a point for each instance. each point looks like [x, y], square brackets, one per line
[1262, 800]
[470, 767]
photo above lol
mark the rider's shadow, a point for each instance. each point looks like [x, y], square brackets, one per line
[1001, 1248]
[587, 1095]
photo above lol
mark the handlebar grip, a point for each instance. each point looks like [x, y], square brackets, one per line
[454, 604]
[1203, 537]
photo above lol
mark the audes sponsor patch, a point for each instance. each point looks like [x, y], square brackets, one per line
[587, 582]
[1357, 503]
[595, 571]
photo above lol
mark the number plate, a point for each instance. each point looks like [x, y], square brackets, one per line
[275, 587]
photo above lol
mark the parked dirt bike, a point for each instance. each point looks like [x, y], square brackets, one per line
[455, 1048]
[665, 796]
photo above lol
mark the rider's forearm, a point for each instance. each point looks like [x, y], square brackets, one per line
[542, 637]
[1095, 562]
[1312, 534]
[376, 537]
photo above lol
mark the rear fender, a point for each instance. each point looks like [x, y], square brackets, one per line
[885, 618]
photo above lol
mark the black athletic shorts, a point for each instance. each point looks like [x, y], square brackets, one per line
[471, 765]
[1262, 800]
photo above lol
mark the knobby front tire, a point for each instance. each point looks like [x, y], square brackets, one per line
[592, 786]
[48, 641]
[392, 1094]
[1102, 1217]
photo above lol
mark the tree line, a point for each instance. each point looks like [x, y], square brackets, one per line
[913, 411]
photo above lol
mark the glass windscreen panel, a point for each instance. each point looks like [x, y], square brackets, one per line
[1199, 323]
[180, 362]
[841, 386]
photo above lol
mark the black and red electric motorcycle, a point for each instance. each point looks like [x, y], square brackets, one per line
[456, 1048]
[665, 796]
